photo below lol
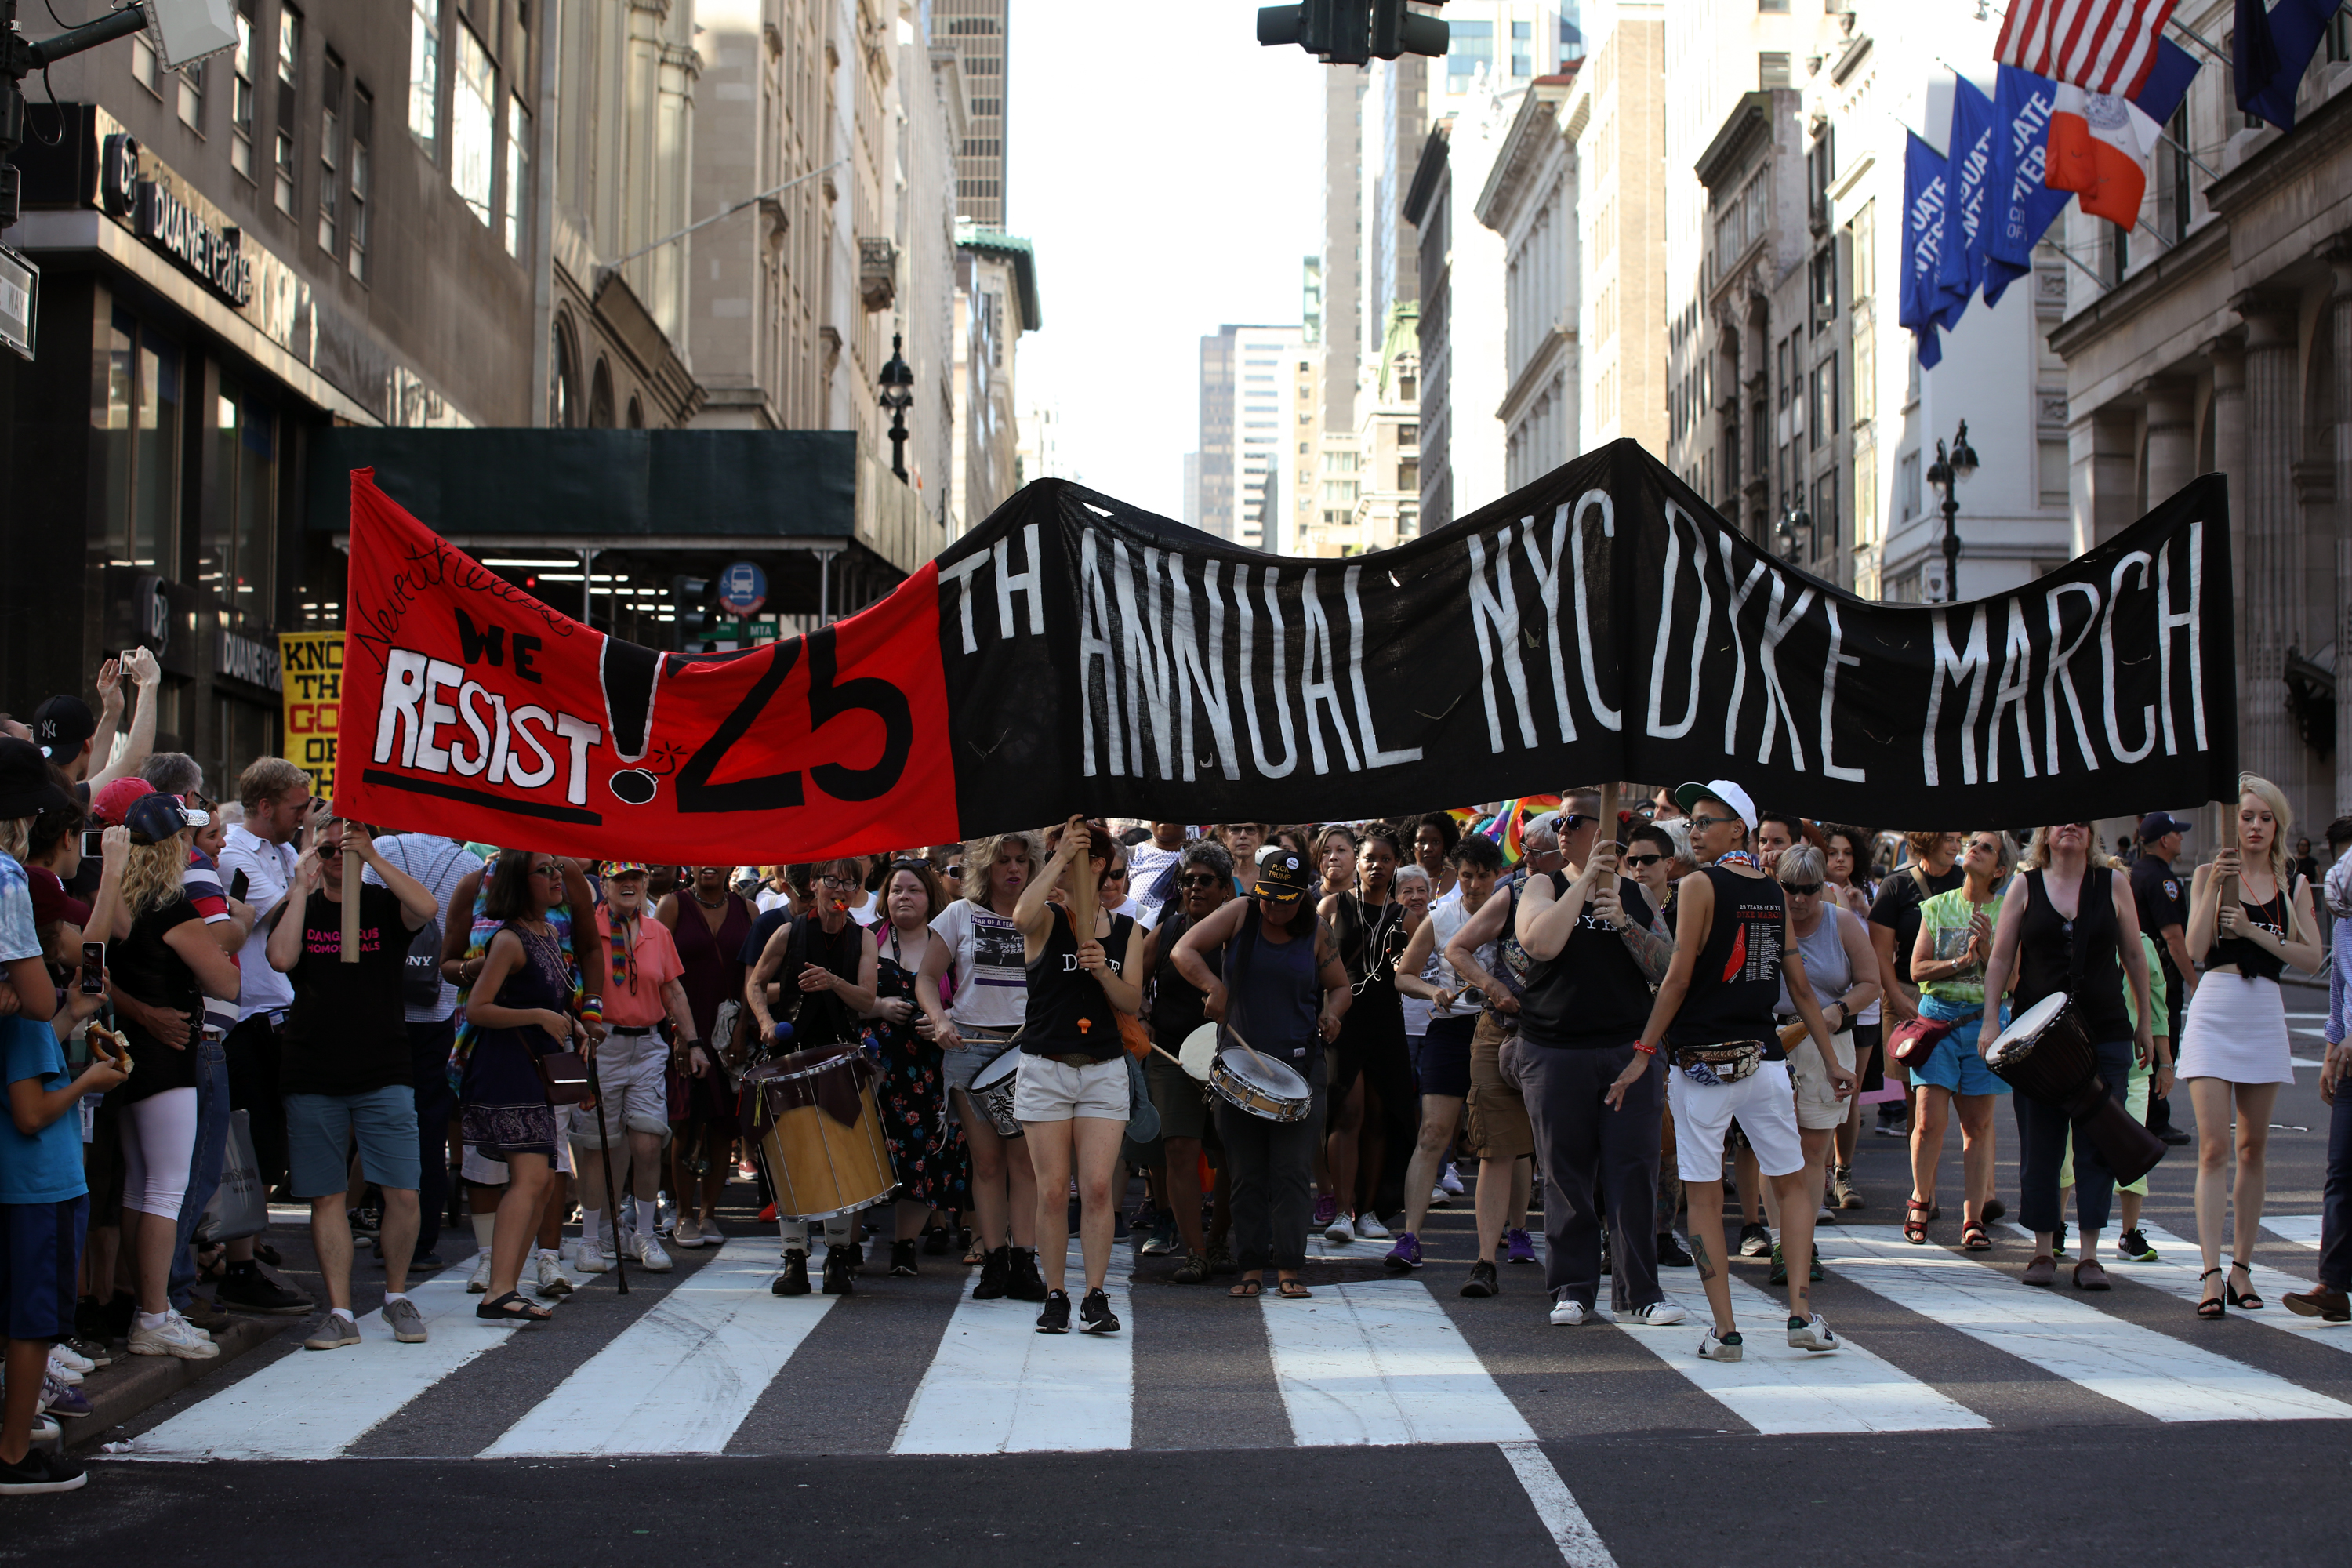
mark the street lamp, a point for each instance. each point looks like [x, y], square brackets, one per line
[1951, 468]
[1795, 520]
[898, 396]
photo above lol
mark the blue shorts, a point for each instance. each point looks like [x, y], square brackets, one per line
[318, 1133]
[1956, 1068]
[1446, 1056]
[40, 1254]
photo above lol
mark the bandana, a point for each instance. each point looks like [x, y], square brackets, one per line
[1739, 858]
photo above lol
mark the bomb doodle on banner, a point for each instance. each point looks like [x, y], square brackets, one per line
[1074, 653]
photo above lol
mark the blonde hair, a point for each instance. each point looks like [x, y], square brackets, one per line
[2037, 854]
[979, 862]
[152, 876]
[2281, 867]
[15, 836]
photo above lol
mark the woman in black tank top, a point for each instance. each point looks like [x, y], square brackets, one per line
[1373, 1102]
[1205, 882]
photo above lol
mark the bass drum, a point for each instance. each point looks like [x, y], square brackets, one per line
[814, 1120]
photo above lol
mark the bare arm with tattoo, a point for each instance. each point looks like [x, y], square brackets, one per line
[1652, 946]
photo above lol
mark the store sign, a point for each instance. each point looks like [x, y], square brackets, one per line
[188, 230]
[248, 659]
[313, 687]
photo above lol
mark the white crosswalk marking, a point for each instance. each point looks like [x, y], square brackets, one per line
[682, 1377]
[1381, 1362]
[2303, 1229]
[1776, 1389]
[1579, 1544]
[996, 1385]
[2181, 1278]
[2152, 1372]
[314, 1404]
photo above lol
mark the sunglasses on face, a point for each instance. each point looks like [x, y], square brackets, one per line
[1802, 889]
[1209, 879]
[1640, 860]
[1117, 876]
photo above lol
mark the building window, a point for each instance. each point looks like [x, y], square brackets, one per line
[137, 413]
[363, 137]
[1864, 231]
[1772, 7]
[290, 81]
[238, 541]
[1409, 477]
[2051, 460]
[564, 397]
[192, 97]
[1470, 47]
[1907, 486]
[518, 173]
[240, 104]
[2172, 160]
[1865, 497]
[1825, 516]
[1772, 69]
[425, 74]
[144, 67]
[331, 105]
[1866, 370]
[1825, 401]
[473, 115]
[600, 398]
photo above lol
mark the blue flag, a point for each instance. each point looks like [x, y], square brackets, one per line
[1924, 177]
[2272, 51]
[2019, 208]
[1960, 267]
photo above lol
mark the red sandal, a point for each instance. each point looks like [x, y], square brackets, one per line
[1914, 1222]
[1973, 1238]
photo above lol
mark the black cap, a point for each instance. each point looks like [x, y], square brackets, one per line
[152, 818]
[2155, 825]
[1282, 875]
[26, 787]
[60, 725]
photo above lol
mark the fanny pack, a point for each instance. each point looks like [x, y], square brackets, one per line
[1726, 1063]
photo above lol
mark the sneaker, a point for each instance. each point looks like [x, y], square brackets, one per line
[995, 1271]
[2174, 1136]
[1755, 1241]
[177, 1337]
[1994, 1208]
[1671, 1252]
[249, 1289]
[62, 1398]
[590, 1257]
[1657, 1314]
[1894, 1129]
[549, 1280]
[1518, 1247]
[333, 1333]
[1327, 1209]
[1341, 1230]
[1025, 1283]
[1095, 1316]
[2133, 1248]
[1720, 1347]
[1812, 1336]
[407, 1323]
[2058, 1242]
[936, 1241]
[1439, 1198]
[46, 1431]
[1054, 1317]
[1406, 1255]
[902, 1258]
[478, 1280]
[1449, 1181]
[838, 1274]
[1221, 1258]
[90, 1351]
[65, 1372]
[649, 1256]
[1482, 1282]
[688, 1234]
[1369, 1228]
[795, 1279]
[41, 1471]
[430, 1263]
[1160, 1239]
[1842, 1191]
[204, 1315]
[1779, 1275]
[1826, 1215]
[1568, 1312]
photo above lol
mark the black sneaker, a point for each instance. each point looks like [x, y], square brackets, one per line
[92, 1351]
[995, 1271]
[2174, 1136]
[1755, 1241]
[857, 1255]
[793, 1280]
[840, 1264]
[1095, 1316]
[935, 1242]
[902, 1257]
[1670, 1251]
[247, 1290]
[1483, 1281]
[2133, 1248]
[1025, 1283]
[1994, 1208]
[40, 1471]
[1055, 1318]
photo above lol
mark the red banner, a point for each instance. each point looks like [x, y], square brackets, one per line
[472, 709]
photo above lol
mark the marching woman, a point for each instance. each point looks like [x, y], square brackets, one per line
[1847, 860]
[1270, 972]
[925, 1150]
[1948, 961]
[1074, 1095]
[519, 1006]
[2073, 926]
[1413, 894]
[1434, 835]
[980, 950]
[1335, 857]
[1372, 1075]
[2234, 1044]
[1205, 884]
[1843, 974]
[708, 923]
[1713, 1017]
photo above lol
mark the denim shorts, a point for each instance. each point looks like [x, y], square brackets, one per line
[1956, 1068]
[319, 1129]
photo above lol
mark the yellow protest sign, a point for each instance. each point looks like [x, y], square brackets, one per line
[312, 666]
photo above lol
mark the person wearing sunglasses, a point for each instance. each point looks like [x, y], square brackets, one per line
[1652, 850]
[1175, 1007]
[1843, 974]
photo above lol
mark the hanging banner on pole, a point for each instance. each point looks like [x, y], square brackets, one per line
[311, 670]
[1077, 654]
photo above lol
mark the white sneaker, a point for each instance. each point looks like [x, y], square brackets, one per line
[1449, 1181]
[200, 1333]
[1657, 1312]
[1827, 1216]
[1341, 1229]
[478, 1282]
[177, 1337]
[1814, 1336]
[1567, 1312]
[1439, 1198]
[589, 1256]
[649, 1256]
[71, 1359]
[1369, 1228]
[64, 1373]
[551, 1281]
[1715, 1348]
[688, 1233]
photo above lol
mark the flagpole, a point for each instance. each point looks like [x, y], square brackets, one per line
[2177, 25]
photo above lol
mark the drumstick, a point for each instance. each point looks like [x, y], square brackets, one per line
[1244, 1045]
[1608, 829]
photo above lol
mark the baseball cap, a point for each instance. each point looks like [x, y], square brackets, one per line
[626, 868]
[60, 725]
[111, 806]
[26, 787]
[2158, 824]
[153, 817]
[1282, 874]
[1729, 794]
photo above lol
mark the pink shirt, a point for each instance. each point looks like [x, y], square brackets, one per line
[638, 1006]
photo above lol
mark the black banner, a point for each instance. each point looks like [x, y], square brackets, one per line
[1602, 623]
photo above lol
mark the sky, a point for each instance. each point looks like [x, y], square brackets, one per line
[1168, 171]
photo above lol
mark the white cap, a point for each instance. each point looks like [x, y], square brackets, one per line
[1723, 790]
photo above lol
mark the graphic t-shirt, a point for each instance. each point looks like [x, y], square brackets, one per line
[991, 966]
[1897, 909]
[347, 1032]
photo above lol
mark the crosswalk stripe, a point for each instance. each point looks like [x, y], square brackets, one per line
[1777, 1389]
[682, 1377]
[2181, 1279]
[2303, 1229]
[1380, 1363]
[2151, 1373]
[315, 1405]
[1579, 1544]
[996, 1386]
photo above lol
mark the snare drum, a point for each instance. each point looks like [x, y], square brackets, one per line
[1262, 1087]
[2046, 1055]
[814, 1120]
[992, 1088]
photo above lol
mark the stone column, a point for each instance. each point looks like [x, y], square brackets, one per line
[2339, 258]
[2171, 437]
[2269, 745]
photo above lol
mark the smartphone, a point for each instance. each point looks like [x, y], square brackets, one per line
[93, 842]
[93, 969]
[237, 886]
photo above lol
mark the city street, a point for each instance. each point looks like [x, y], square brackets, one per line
[1967, 1416]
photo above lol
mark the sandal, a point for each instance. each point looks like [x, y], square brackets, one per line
[2213, 1306]
[2247, 1301]
[975, 1255]
[1292, 1290]
[1973, 1238]
[512, 1309]
[1914, 1222]
[1247, 1288]
[1193, 1270]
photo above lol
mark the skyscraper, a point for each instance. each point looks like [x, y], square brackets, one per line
[975, 29]
[1251, 382]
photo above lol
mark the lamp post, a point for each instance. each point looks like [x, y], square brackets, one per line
[1952, 466]
[1795, 520]
[898, 396]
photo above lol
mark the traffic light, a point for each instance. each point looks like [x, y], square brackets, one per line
[691, 597]
[1351, 32]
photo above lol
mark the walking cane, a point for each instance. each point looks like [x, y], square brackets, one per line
[611, 1203]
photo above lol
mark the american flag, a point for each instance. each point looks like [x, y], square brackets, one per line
[2099, 45]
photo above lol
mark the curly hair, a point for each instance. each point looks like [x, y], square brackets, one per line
[151, 877]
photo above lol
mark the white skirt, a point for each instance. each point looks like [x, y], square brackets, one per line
[2236, 1031]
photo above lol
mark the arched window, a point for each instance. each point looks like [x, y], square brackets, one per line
[563, 397]
[636, 413]
[600, 398]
